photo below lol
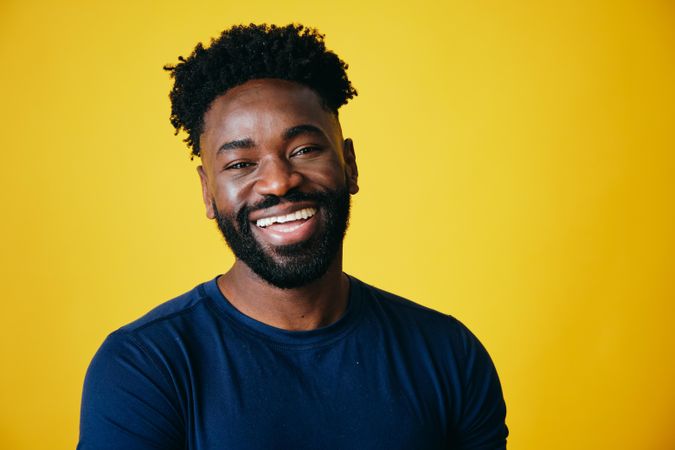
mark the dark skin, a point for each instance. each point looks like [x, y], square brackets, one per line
[267, 137]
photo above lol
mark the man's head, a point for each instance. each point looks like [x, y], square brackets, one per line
[276, 172]
[244, 53]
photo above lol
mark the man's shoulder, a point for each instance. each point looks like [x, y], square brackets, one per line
[419, 326]
[406, 310]
[176, 307]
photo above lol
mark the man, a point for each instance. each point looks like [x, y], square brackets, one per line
[284, 351]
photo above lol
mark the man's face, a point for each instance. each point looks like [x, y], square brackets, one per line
[277, 177]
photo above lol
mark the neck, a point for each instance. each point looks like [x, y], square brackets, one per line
[308, 307]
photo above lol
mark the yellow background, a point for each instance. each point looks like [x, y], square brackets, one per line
[517, 167]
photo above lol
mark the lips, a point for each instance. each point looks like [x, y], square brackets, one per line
[287, 227]
[296, 216]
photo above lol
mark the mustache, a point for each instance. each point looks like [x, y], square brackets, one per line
[292, 196]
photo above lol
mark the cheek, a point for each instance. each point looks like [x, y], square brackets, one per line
[229, 197]
[339, 178]
[329, 173]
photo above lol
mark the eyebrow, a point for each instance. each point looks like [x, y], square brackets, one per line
[236, 144]
[302, 129]
[287, 135]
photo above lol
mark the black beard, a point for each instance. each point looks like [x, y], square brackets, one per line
[295, 265]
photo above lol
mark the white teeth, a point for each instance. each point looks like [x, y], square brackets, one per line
[305, 213]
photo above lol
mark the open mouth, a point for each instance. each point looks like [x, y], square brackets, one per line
[286, 222]
[288, 228]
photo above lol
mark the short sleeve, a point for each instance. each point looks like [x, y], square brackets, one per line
[127, 402]
[482, 423]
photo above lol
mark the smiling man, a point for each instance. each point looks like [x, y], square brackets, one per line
[284, 350]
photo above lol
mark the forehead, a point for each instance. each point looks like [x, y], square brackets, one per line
[262, 109]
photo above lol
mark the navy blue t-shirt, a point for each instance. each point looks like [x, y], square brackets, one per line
[195, 373]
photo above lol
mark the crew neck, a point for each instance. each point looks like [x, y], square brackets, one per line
[286, 338]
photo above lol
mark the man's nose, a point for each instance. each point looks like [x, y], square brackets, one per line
[277, 177]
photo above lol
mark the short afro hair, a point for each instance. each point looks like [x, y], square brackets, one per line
[242, 53]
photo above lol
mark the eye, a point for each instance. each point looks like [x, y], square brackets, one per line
[238, 165]
[305, 150]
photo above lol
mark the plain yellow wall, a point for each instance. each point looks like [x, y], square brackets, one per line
[517, 167]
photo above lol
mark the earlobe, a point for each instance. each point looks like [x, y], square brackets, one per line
[206, 193]
[351, 169]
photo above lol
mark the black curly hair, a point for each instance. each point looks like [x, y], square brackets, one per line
[247, 52]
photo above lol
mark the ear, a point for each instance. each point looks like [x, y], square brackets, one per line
[206, 193]
[351, 168]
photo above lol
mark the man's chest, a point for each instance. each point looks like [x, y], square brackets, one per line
[337, 397]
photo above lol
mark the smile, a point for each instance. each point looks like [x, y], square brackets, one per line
[302, 214]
